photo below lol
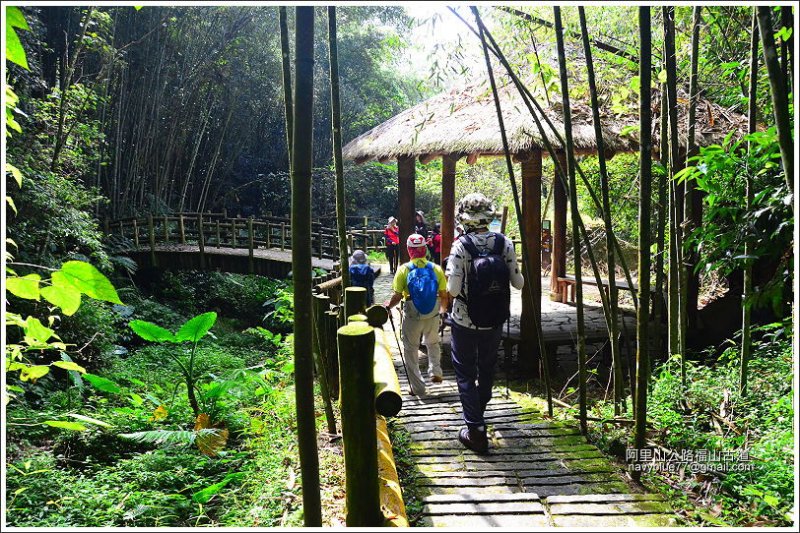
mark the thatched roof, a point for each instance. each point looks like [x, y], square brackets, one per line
[465, 122]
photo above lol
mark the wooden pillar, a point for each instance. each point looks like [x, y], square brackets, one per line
[407, 200]
[250, 246]
[504, 220]
[182, 228]
[151, 234]
[448, 203]
[559, 238]
[531, 318]
[166, 228]
[201, 240]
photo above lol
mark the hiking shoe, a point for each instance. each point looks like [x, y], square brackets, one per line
[474, 440]
[437, 379]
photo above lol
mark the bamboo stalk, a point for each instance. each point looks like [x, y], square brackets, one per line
[219, 235]
[570, 149]
[301, 170]
[166, 229]
[645, 165]
[747, 290]
[201, 240]
[336, 126]
[356, 343]
[136, 233]
[283, 236]
[616, 357]
[182, 228]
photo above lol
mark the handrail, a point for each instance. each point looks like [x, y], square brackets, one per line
[217, 230]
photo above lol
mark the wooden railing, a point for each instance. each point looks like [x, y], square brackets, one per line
[217, 230]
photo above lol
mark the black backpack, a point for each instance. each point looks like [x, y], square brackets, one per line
[488, 294]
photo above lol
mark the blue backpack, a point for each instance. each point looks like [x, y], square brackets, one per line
[423, 286]
[361, 275]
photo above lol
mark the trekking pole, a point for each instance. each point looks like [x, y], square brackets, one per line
[399, 349]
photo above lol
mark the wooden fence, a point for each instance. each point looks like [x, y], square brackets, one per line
[217, 230]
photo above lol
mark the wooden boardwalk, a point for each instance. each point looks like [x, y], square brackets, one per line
[538, 473]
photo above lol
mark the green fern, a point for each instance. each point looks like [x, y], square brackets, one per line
[165, 437]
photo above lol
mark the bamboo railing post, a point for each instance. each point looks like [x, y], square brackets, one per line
[321, 352]
[269, 235]
[356, 343]
[121, 229]
[151, 230]
[388, 399]
[219, 236]
[136, 233]
[166, 228]
[250, 262]
[233, 232]
[182, 228]
[201, 241]
[283, 236]
[224, 212]
[319, 236]
[355, 301]
[331, 323]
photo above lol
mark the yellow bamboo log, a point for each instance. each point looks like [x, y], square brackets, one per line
[391, 496]
[388, 400]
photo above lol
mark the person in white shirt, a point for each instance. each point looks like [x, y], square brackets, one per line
[486, 262]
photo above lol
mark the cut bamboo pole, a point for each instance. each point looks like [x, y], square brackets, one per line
[355, 301]
[233, 232]
[219, 235]
[388, 399]
[136, 233]
[362, 501]
[391, 496]
[331, 323]
[377, 315]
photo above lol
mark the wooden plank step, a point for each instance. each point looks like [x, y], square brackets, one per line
[508, 434]
[470, 497]
[481, 508]
[603, 498]
[644, 507]
[519, 466]
[622, 521]
[503, 454]
[514, 522]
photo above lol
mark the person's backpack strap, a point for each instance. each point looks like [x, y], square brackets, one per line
[499, 244]
[469, 246]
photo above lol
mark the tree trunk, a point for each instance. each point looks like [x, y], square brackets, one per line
[336, 125]
[287, 80]
[573, 201]
[780, 97]
[645, 165]
[747, 289]
[692, 203]
[301, 264]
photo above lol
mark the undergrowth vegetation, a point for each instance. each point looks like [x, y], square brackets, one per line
[149, 460]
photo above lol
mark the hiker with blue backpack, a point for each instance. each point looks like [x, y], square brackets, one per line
[421, 285]
[361, 274]
[480, 268]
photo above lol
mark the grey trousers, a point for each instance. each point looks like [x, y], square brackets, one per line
[412, 329]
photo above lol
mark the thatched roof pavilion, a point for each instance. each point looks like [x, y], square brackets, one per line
[463, 123]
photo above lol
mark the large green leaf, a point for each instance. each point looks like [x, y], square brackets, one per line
[14, 50]
[63, 296]
[87, 279]
[74, 426]
[25, 287]
[91, 420]
[16, 19]
[151, 332]
[32, 373]
[203, 496]
[103, 384]
[196, 328]
[69, 365]
[35, 331]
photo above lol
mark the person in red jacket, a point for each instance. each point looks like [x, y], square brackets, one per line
[435, 243]
[392, 236]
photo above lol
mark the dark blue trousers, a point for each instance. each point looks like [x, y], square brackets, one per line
[474, 356]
